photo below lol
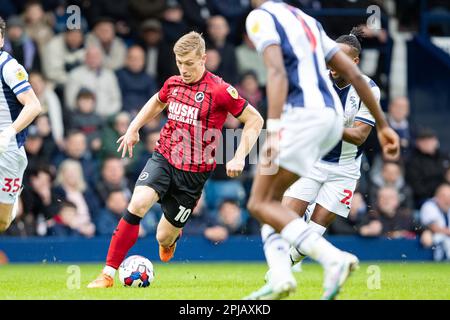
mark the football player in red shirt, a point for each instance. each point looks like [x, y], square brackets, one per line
[198, 103]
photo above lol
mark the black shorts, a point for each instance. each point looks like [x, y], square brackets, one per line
[178, 190]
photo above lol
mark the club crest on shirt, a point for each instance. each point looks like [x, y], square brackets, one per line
[20, 74]
[199, 96]
[233, 92]
[255, 27]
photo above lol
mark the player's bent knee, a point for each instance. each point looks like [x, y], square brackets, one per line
[5, 217]
[4, 225]
[141, 202]
[254, 205]
[165, 238]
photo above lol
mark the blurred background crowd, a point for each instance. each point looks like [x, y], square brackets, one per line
[93, 80]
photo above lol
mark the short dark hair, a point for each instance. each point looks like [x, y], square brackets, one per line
[2, 26]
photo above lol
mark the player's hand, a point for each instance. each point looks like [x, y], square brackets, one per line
[127, 143]
[5, 138]
[235, 167]
[270, 150]
[390, 143]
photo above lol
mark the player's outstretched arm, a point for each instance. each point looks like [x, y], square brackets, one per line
[150, 110]
[30, 111]
[389, 140]
[253, 123]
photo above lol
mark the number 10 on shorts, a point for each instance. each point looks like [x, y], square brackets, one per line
[183, 215]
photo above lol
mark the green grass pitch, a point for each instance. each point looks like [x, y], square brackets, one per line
[226, 281]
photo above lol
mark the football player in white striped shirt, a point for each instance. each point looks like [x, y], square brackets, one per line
[305, 121]
[332, 181]
[19, 106]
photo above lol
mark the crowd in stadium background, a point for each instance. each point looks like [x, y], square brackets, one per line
[92, 81]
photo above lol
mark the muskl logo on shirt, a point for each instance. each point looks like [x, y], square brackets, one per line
[183, 113]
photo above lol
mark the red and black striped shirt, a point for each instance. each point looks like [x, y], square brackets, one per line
[196, 114]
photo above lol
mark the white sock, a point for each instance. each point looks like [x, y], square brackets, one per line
[294, 253]
[15, 209]
[317, 227]
[276, 250]
[110, 271]
[309, 242]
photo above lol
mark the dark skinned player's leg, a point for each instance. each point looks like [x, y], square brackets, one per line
[299, 207]
[283, 227]
[265, 199]
[321, 219]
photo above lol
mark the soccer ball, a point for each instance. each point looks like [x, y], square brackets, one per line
[136, 271]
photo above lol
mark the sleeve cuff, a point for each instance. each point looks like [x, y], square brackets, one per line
[331, 53]
[243, 108]
[367, 121]
[267, 43]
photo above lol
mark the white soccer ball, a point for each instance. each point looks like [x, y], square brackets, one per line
[136, 271]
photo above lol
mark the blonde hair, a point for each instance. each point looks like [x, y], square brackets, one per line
[75, 167]
[193, 41]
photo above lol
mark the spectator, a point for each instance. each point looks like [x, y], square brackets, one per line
[213, 60]
[389, 219]
[113, 48]
[248, 59]
[108, 218]
[116, 205]
[61, 15]
[351, 224]
[21, 46]
[199, 220]
[44, 130]
[62, 54]
[93, 76]
[218, 30]
[196, 13]
[398, 120]
[51, 106]
[392, 176]
[435, 215]
[66, 223]
[115, 128]
[231, 220]
[235, 12]
[249, 90]
[86, 120]
[112, 178]
[116, 10]
[160, 60]
[8, 8]
[75, 148]
[135, 84]
[38, 198]
[34, 147]
[426, 166]
[173, 23]
[37, 23]
[235, 219]
[71, 186]
[142, 10]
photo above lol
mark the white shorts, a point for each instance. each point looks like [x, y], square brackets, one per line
[12, 167]
[324, 185]
[307, 135]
